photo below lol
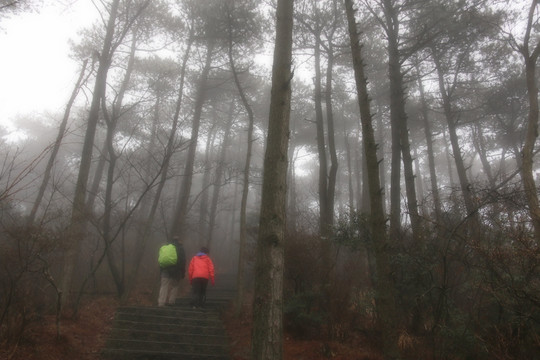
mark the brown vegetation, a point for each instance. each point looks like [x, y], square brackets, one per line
[80, 338]
[84, 337]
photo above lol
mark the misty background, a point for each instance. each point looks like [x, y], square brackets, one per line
[158, 124]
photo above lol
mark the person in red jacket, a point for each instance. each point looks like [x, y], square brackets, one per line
[201, 270]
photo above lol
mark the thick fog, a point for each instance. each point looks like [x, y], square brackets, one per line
[164, 132]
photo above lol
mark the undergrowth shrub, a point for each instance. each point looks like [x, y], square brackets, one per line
[318, 304]
[25, 280]
[302, 317]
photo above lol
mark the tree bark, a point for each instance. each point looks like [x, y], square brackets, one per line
[218, 175]
[385, 301]
[76, 230]
[205, 193]
[479, 143]
[144, 234]
[56, 146]
[451, 121]
[529, 186]
[267, 335]
[179, 219]
[430, 154]
[349, 173]
[321, 144]
[246, 172]
[116, 267]
[400, 132]
[332, 172]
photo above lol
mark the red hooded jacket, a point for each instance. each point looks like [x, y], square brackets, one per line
[201, 266]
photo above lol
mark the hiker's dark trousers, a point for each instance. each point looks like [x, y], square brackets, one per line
[198, 286]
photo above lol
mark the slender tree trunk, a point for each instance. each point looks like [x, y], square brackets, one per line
[448, 156]
[431, 156]
[454, 141]
[383, 163]
[385, 302]
[116, 267]
[78, 217]
[107, 238]
[321, 144]
[57, 143]
[98, 175]
[267, 335]
[292, 208]
[349, 172]
[246, 174]
[325, 211]
[419, 182]
[179, 219]
[395, 122]
[205, 193]
[149, 170]
[400, 131]
[218, 175]
[480, 145]
[332, 172]
[144, 234]
[362, 195]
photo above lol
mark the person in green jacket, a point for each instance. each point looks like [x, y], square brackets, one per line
[171, 275]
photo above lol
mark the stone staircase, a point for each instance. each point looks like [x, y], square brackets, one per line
[172, 332]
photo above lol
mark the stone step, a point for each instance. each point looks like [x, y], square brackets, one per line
[168, 346]
[210, 304]
[220, 294]
[172, 332]
[193, 319]
[175, 311]
[169, 336]
[207, 330]
[126, 354]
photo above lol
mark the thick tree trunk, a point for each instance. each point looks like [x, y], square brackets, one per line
[385, 301]
[267, 336]
[529, 186]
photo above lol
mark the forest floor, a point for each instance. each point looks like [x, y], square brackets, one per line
[84, 337]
